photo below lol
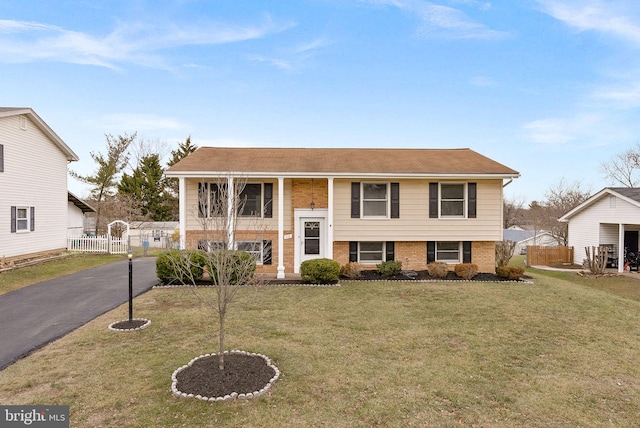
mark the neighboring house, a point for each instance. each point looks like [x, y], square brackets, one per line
[33, 185]
[610, 218]
[524, 238]
[77, 220]
[364, 205]
[156, 234]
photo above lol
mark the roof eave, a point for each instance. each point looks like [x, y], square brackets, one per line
[214, 174]
[42, 125]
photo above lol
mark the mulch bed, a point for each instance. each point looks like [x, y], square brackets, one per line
[243, 374]
[407, 275]
[130, 325]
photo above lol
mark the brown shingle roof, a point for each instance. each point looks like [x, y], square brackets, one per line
[339, 161]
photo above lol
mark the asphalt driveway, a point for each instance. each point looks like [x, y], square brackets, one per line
[36, 315]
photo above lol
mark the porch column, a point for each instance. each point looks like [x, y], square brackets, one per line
[182, 211]
[280, 227]
[621, 247]
[330, 218]
[231, 213]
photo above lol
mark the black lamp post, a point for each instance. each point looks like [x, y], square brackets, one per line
[130, 257]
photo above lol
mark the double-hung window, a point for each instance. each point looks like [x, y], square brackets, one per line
[254, 200]
[447, 251]
[375, 200]
[251, 200]
[452, 200]
[22, 219]
[371, 252]
[254, 248]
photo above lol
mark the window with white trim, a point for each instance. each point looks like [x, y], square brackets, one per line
[371, 252]
[449, 251]
[375, 200]
[452, 200]
[251, 196]
[255, 248]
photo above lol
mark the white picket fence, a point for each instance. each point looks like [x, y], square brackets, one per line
[98, 244]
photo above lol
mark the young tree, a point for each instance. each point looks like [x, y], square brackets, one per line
[103, 181]
[624, 168]
[227, 251]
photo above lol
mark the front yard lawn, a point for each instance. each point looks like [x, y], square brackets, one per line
[558, 352]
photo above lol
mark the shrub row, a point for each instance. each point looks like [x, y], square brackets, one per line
[188, 266]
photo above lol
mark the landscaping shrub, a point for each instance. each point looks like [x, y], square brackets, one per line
[351, 270]
[466, 270]
[438, 269]
[176, 266]
[389, 268]
[320, 271]
[510, 272]
[239, 266]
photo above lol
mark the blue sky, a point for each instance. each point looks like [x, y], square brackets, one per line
[550, 88]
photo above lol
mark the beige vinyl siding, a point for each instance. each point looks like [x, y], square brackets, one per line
[35, 175]
[414, 223]
[195, 223]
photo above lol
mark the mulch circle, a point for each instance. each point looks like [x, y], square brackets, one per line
[134, 324]
[245, 375]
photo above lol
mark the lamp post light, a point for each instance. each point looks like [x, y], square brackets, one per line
[130, 257]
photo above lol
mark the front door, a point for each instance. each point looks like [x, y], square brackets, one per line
[311, 238]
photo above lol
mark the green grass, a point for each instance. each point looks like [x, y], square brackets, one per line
[560, 352]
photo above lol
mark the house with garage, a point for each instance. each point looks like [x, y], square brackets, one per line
[33, 185]
[362, 205]
[609, 218]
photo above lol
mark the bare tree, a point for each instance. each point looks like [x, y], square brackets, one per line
[513, 212]
[624, 168]
[230, 240]
[560, 199]
[504, 252]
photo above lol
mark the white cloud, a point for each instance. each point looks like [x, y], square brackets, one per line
[618, 18]
[138, 122]
[559, 131]
[482, 81]
[128, 43]
[444, 21]
[279, 63]
[624, 95]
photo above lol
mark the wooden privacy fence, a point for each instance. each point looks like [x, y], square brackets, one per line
[548, 255]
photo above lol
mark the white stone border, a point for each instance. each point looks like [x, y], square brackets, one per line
[233, 395]
[143, 326]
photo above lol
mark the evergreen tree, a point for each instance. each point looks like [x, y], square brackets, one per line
[183, 150]
[147, 186]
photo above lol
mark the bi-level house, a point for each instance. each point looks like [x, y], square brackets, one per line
[33, 185]
[364, 205]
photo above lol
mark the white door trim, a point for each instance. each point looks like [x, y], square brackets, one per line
[320, 214]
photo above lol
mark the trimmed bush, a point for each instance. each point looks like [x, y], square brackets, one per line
[438, 269]
[351, 270]
[239, 266]
[466, 270]
[176, 266]
[320, 271]
[389, 268]
[510, 272]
